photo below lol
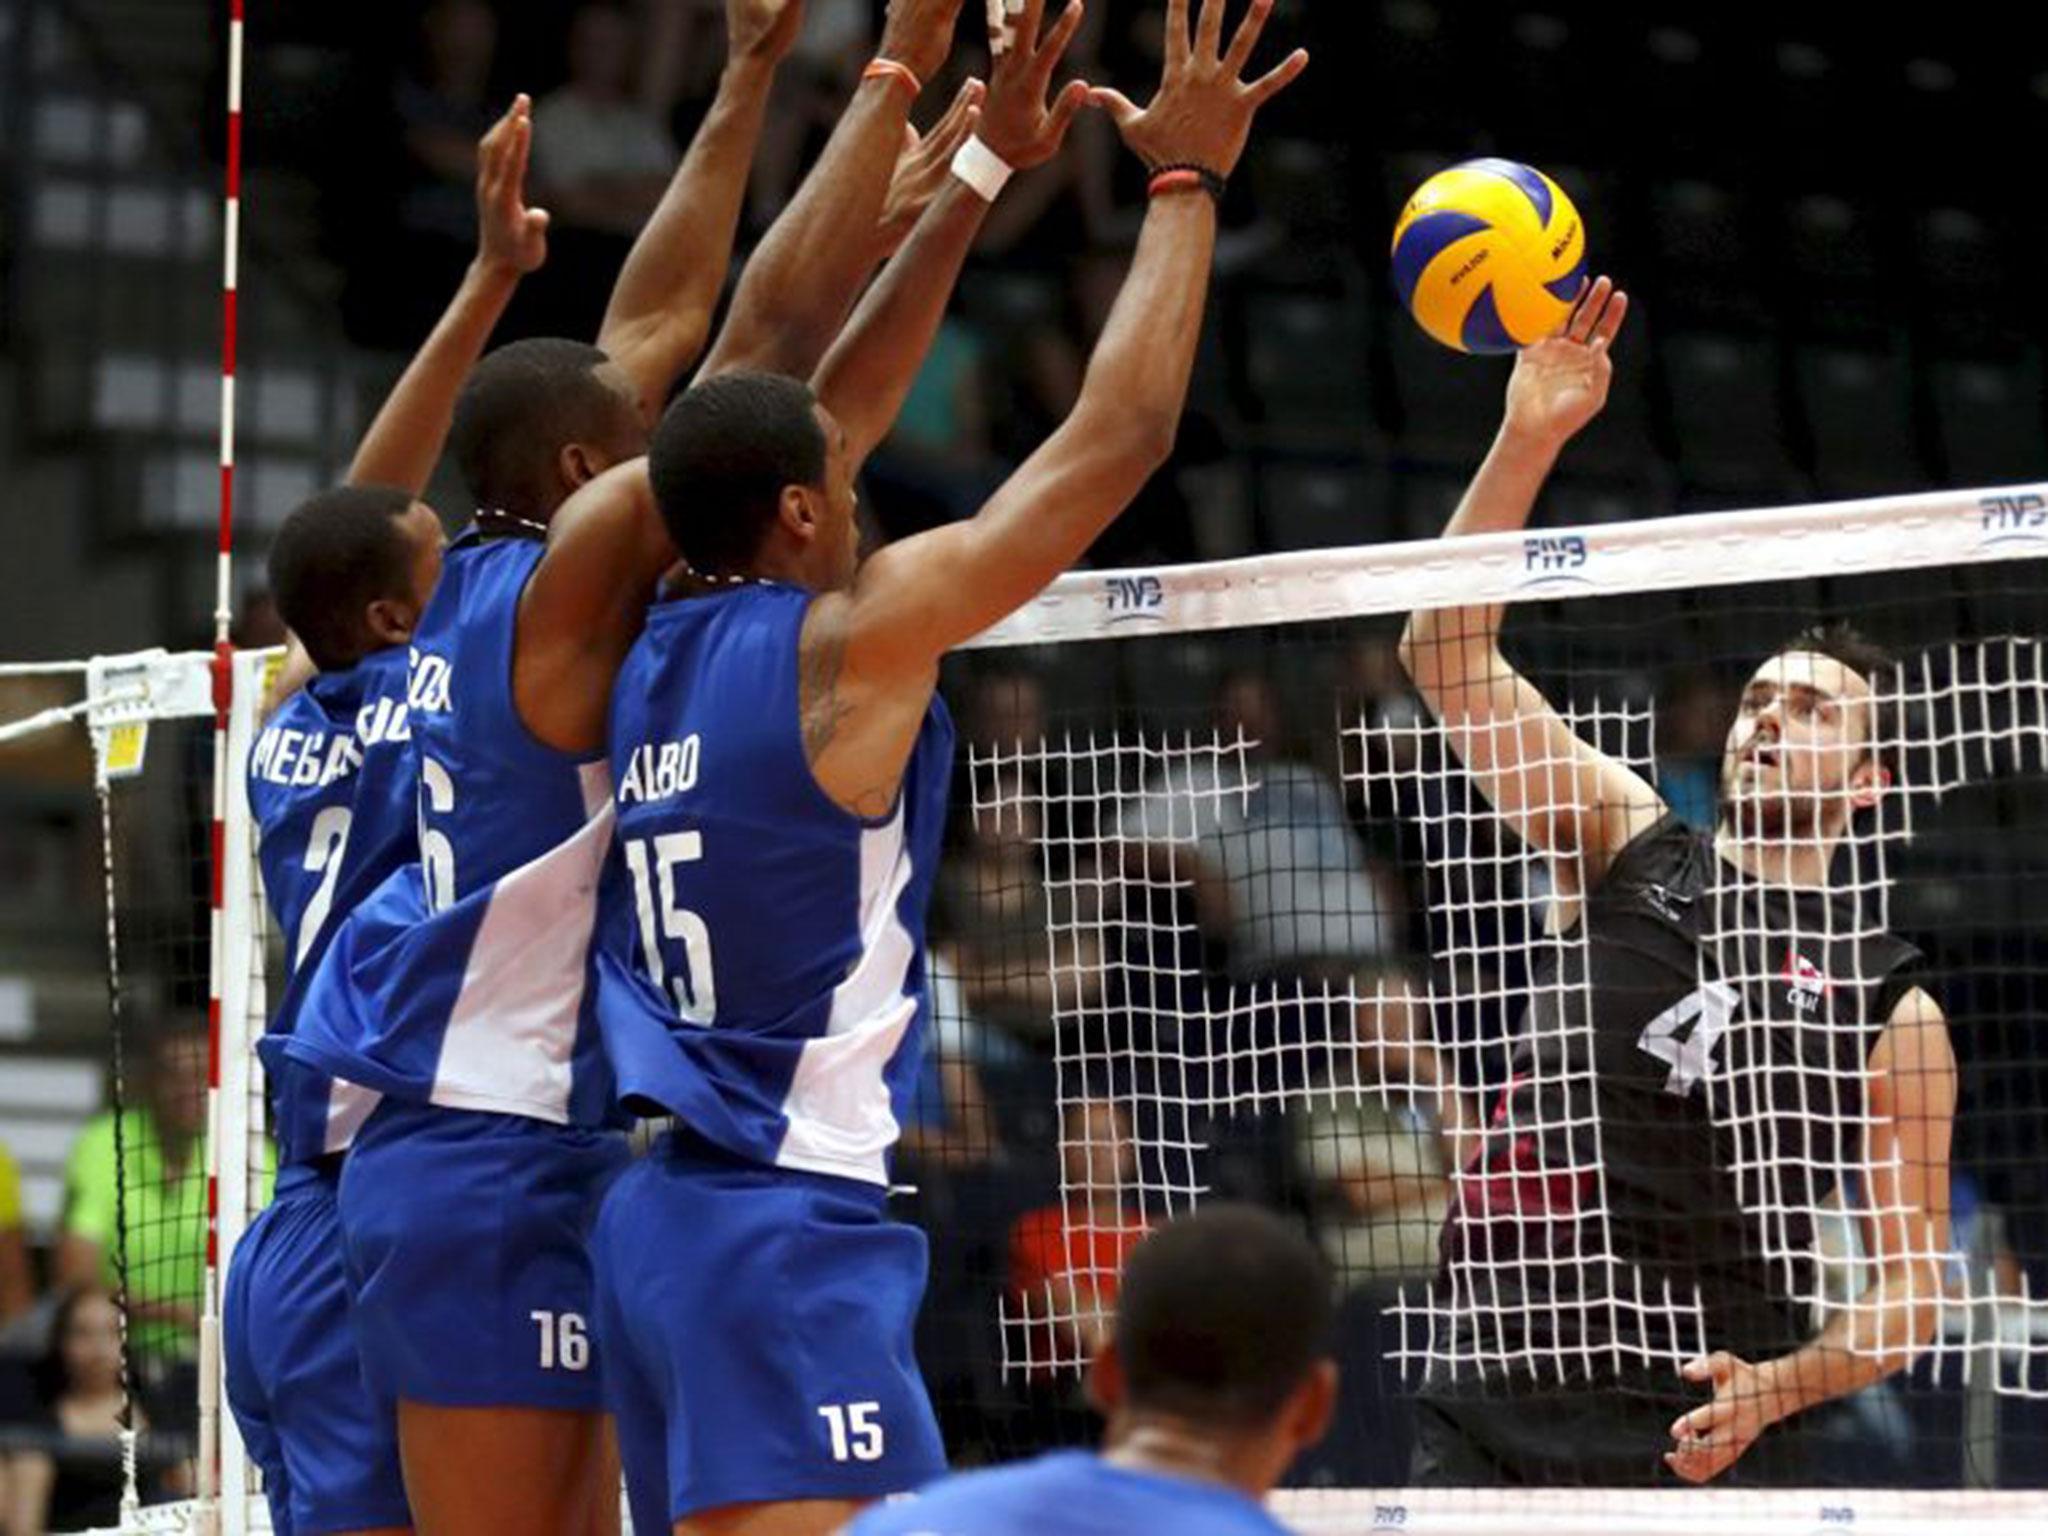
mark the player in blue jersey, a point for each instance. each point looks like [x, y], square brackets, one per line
[331, 790]
[456, 991]
[780, 763]
[1216, 1378]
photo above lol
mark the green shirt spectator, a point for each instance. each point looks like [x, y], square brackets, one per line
[165, 1154]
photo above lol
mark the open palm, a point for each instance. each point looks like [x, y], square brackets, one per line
[1560, 383]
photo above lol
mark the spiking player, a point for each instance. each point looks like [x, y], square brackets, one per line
[1746, 1032]
[331, 788]
[456, 991]
[765, 933]
[1216, 1378]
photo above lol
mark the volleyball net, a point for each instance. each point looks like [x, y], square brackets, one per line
[1229, 913]
[1224, 913]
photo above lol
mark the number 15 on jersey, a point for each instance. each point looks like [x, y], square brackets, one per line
[669, 933]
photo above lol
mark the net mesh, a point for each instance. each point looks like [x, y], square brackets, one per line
[1225, 913]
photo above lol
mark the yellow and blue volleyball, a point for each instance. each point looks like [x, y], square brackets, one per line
[1489, 255]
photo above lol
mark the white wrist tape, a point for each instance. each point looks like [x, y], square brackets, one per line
[1002, 25]
[986, 172]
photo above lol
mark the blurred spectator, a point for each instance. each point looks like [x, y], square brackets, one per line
[163, 1154]
[72, 1481]
[602, 154]
[1377, 1176]
[1692, 727]
[1005, 713]
[1026, 949]
[950, 1124]
[1069, 205]
[1067, 1260]
[810, 93]
[17, 1282]
[443, 105]
[1263, 838]
[938, 465]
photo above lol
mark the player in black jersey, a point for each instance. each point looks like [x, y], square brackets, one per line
[1721, 1042]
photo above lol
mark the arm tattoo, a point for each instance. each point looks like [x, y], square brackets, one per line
[818, 691]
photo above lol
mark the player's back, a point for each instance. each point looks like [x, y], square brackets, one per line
[1075, 1494]
[763, 947]
[330, 787]
[464, 977]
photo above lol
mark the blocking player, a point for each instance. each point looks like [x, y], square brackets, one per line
[1216, 1378]
[780, 763]
[1748, 1033]
[456, 991]
[330, 786]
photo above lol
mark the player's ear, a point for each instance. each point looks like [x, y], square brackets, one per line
[1106, 1381]
[1869, 784]
[1314, 1405]
[579, 464]
[390, 621]
[797, 511]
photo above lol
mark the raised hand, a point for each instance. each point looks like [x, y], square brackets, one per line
[1203, 112]
[919, 34]
[510, 236]
[762, 29]
[1560, 383]
[926, 163]
[1016, 123]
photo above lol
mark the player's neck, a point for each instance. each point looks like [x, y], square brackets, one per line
[1800, 862]
[1167, 1447]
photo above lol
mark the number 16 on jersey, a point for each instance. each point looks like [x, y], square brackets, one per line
[669, 933]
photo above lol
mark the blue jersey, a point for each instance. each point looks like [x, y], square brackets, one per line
[330, 786]
[762, 951]
[462, 981]
[1075, 1494]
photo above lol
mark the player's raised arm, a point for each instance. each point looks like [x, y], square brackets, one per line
[810, 267]
[1910, 1090]
[1559, 792]
[404, 443]
[868, 373]
[661, 308]
[917, 599]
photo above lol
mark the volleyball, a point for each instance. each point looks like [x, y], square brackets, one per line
[1489, 255]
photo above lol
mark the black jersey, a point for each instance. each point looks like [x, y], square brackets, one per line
[1687, 1092]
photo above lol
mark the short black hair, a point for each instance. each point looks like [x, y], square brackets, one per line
[1842, 641]
[521, 406]
[1221, 1316]
[336, 554]
[722, 456]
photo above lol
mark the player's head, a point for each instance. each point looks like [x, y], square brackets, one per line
[82, 1354]
[178, 1073]
[541, 418]
[1806, 753]
[352, 569]
[1222, 1332]
[754, 477]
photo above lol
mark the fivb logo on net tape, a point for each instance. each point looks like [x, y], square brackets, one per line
[1135, 598]
[1555, 560]
[2014, 517]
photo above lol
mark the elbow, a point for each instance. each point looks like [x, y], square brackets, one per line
[1421, 654]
